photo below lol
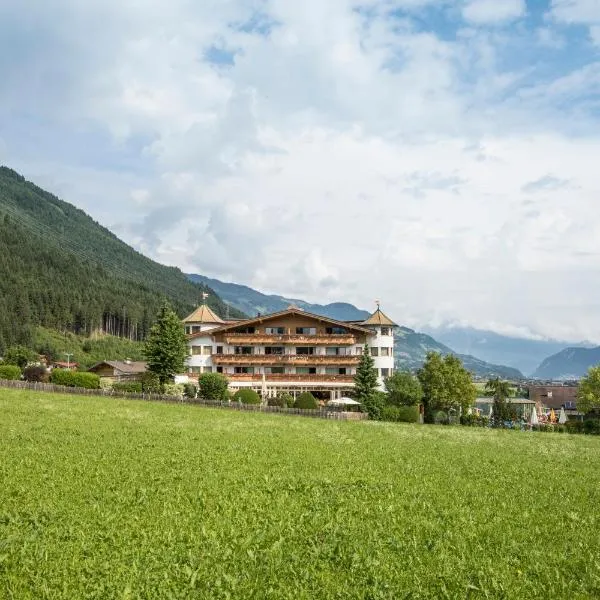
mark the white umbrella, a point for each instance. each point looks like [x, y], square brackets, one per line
[342, 402]
[491, 411]
[562, 419]
[534, 418]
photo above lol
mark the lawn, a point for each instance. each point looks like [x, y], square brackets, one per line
[104, 498]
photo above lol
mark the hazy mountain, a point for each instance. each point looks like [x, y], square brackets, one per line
[411, 347]
[570, 363]
[523, 354]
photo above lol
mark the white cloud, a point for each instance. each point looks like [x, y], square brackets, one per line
[576, 11]
[336, 153]
[486, 12]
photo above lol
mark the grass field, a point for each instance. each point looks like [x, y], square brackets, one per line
[108, 498]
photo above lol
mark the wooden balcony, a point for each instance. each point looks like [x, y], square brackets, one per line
[320, 339]
[292, 378]
[285, 359]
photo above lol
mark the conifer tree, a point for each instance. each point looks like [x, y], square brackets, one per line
[166, 347]
[365, 384]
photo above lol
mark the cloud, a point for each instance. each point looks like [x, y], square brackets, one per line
[405, 149]
[576, 11]
[486, 12]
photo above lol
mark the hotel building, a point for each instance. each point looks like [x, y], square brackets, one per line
[291, 350]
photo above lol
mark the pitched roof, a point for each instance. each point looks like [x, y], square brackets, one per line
[203, 314]
[125, 366]
[379, 318]
[290, 311]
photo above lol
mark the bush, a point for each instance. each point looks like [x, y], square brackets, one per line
[213, 386]
[19, 356]
[282, 400]
[68, 378]
[306, 401]
[35, 373]
[11, 372]
[574, 426]
[150, 383]
[474, 420]
[591, 426]
[247, 396]
[130, 387]
[400, 414]
[440, 417]
[174, 389]
[190, 390]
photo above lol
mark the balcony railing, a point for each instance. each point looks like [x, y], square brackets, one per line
[292, 378]
[334, 339]
[283, 359]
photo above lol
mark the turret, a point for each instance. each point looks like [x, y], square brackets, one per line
[382, 344]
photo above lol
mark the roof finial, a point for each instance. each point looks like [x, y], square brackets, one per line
[204, 297]
[378, 302]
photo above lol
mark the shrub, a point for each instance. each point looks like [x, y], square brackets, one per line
[306, 401]
[574, 426]
[130, 387]
[474, 420]
[68, 378]
[213, 386]
[11, 372]
[35, 373]
[247, 396]
[150, 383]
[440, 417]
[591, 426]
[282, 400]
[19, 356]
[174, 389]
[190, 390]
[400, 414]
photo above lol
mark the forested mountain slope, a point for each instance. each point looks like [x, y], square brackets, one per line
[62, 270]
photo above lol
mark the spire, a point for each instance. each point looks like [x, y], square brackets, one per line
[203, 314]
[379, 318]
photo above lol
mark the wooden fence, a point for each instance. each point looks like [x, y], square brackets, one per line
[61, 389]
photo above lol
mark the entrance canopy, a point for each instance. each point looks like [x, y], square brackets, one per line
[343, 402]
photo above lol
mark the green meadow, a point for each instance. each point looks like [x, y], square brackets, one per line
[104, 498]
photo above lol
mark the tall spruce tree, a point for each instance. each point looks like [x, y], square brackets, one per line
[365, 384]
[166, 347]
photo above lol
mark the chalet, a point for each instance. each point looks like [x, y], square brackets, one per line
[119, 370]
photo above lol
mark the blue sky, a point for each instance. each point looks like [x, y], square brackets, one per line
[439, 155]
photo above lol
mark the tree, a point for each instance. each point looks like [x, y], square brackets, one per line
[501, 410]
[365, 384]
[213, 386]
[588, 394]
[446, 385]
[166, 346]
[403, 389]
[19, 356]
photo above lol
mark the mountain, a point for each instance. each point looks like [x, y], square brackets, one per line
[520, 353]
[62, 270]
[570, 363]
[253, 302]
[410, 347]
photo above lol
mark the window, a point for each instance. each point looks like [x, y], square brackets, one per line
[219, 349]
[275, 330]
[274, 370]
[247, 330]
[207, 369]
[207, 350]
[219, 369]
[188, 330]
[195, 370]
[243, 350]
[385, 331]
[306, 350]
[385, 372]
[336, 370]
[385, 351]
[337, 351]
[274, 350]
[374, 351]
[336, 330]
[306, 330]
[196, 350]
[196, 329]
[306, 370]
[244, 370]
[359, 350]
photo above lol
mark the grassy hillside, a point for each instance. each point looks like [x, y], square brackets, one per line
[125, 499]
[62, 270]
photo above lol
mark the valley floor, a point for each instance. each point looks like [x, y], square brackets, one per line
[104, 498]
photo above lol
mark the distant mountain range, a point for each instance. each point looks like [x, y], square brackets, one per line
[570, 363]
[411, 347]
[520, 353]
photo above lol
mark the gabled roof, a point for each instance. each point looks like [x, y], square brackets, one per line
[124, 366]
[290, 311]
[203, 314]
[379, 318]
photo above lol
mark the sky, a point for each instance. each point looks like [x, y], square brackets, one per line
[440, 156]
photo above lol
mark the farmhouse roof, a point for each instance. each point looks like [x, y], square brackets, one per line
[127, 367]
[203, 314]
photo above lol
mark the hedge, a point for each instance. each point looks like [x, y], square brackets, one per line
[68, 378]
[247, 396]
[11, 372]
[132, 387]
[401, 414]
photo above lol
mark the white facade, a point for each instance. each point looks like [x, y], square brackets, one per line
[382, 351]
